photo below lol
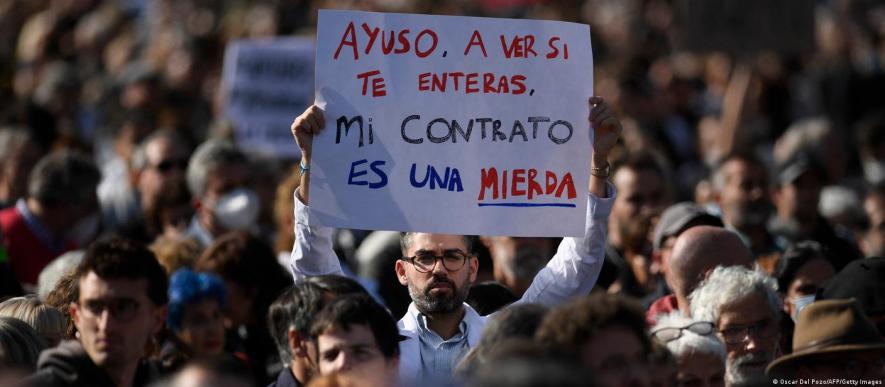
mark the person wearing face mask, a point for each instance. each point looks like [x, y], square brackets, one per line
[801, 272]
[218, 177]
[59, 213]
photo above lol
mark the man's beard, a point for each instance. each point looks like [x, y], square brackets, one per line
[739, 373]
[441, 303]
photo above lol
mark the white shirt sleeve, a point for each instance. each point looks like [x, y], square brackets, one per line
[312, 253]
[575, 267]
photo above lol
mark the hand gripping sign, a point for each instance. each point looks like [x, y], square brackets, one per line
[447, 124]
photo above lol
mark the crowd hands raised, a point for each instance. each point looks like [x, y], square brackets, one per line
[735, 244]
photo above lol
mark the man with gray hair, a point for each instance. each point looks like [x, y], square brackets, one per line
[746, 309]
[219, 180]
[59, 213]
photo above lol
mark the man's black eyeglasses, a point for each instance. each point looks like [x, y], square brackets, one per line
[452, 260]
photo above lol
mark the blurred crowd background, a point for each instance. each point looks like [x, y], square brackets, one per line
[122, 98]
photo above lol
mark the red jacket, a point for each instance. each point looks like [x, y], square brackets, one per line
[27, 254]
[664, 305]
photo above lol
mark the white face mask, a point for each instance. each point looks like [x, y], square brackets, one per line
[85, 229]
[800, 303]
[237, 209]
[874, 171]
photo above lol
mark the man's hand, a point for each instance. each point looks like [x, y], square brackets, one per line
[606, 127]
[305, 127]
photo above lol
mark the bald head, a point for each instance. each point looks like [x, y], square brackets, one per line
[698, 251]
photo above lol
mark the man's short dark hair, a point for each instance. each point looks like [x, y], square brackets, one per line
[63, 178]
[117, 257]
[570, 326]
[406, 239]
[299, 304]
[359, 309]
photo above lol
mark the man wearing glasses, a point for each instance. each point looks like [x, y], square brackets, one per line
[121, 304]
[439, 269]
[746, 309]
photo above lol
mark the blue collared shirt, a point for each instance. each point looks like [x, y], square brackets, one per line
[440, 357]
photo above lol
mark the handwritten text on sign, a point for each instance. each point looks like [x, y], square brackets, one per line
[450, 124]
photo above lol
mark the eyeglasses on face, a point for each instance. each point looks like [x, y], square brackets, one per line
[739, 334]
[452, 260]
[121, 309]
[669, 334]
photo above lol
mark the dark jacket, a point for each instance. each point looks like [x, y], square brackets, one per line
[285, 379]
[68, 364]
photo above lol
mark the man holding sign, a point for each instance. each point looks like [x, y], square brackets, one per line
[439, 269]
[481, 118]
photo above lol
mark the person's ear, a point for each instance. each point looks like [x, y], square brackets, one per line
[74, 310]
[473, 266]
[296, 343]
[159, 318]
[400, 268]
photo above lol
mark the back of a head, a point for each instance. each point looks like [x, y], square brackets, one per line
[126, 259]
[56, 270]
[64, 178]
[359, 309]
[570, 326]
[520, 320]
[531, 372]
[245, 259]
[46, 320]
[516, 322]
[217, 371]
[489, 296]
[700, 249]
[20, 345]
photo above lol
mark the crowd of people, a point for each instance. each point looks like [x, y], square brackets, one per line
[735, 231]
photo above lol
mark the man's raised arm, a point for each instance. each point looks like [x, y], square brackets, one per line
[312, 253]
[575, 267]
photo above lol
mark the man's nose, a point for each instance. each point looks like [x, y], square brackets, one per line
[750, 343]
[438, 267]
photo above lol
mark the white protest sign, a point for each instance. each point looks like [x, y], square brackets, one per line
[446, 124]
[266, 83]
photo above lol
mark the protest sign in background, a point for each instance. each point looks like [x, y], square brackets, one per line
[452, 124]
[266, 84]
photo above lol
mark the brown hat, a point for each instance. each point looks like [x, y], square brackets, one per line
[828, 327]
